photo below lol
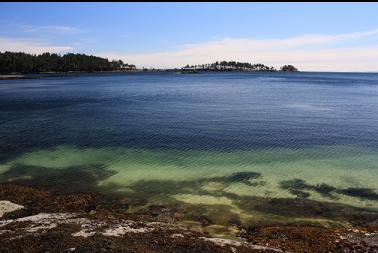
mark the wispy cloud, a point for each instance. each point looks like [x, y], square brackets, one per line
[35, 39]
[50, 29]
[310, 52]
[27, 30]
[30, 46]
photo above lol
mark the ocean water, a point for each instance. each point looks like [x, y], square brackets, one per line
[232, 147]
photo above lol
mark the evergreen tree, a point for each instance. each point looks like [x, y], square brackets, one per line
[27, 63]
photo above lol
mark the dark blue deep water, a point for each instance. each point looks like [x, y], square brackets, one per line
[205, 111]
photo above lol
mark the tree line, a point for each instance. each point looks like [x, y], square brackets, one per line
[288, 68]
[238, 66]
[18, 62]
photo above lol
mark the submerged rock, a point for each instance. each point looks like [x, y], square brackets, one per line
[238, 177]
[324, 188]
[364, 193]
[294, 184]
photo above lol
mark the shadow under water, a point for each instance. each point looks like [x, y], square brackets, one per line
[82, 178]
[238, 196]
[296, 187]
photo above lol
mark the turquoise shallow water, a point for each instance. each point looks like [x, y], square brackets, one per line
[273, 147]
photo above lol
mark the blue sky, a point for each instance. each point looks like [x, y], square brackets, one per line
[313, 36]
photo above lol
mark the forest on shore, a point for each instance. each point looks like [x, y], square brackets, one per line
[23, 63]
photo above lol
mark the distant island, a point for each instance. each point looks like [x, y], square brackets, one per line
[14, 65]
[235, 66]
[23, 63]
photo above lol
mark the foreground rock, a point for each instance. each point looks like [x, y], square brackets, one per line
[7, 207]
[316, 239]
[74, 232]
[50, 222]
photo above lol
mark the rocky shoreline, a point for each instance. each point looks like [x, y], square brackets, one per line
[37, 220]
[11, 77]
[58, 74]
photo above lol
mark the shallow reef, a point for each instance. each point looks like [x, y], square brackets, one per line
[206, 197]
